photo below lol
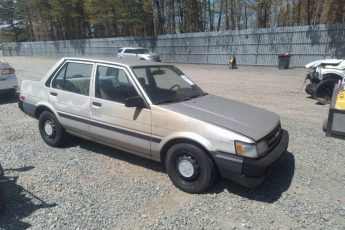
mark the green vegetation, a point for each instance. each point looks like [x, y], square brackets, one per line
[76, 19]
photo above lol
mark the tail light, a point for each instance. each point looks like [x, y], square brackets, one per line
[22, 98]
[8, 71]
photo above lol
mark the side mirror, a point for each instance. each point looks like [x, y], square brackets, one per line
[136, 101]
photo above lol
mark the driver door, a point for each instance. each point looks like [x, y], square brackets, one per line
[111, 121]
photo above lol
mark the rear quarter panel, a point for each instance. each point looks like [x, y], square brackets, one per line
[34, 91]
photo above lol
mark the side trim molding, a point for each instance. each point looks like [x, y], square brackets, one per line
[111, 128]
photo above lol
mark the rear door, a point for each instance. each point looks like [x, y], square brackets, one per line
[111, 121]
[70, 96]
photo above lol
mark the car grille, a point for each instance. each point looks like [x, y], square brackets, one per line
[273, 138]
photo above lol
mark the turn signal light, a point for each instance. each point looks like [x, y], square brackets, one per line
[239, 149]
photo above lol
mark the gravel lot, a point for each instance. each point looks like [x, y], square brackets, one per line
[89, 186]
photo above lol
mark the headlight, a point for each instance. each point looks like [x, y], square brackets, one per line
[246, 149]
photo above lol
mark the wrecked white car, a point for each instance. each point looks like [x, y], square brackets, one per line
[323, 76]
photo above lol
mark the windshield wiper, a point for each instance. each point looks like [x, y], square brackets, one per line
[199, 95]
[181, 99]
[174, 100]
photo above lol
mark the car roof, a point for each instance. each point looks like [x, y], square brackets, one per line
[128, 62]
[132, 48]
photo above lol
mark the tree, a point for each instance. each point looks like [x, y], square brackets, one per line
[12, 19]
[263, 10]
[335, 11]
[78, 19]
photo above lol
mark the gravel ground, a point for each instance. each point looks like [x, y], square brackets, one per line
[90, 186]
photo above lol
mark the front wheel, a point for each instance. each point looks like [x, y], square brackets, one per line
[51, 130]
[190, 168]
[324, 91]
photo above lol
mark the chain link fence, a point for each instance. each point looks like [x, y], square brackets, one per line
[253, 47]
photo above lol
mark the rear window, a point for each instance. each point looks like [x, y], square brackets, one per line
[120, 50]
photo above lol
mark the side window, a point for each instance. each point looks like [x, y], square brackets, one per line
[130, 51]
[113, 84]
[74, 77]
[120, 50]
[58, 81]
[50, 79]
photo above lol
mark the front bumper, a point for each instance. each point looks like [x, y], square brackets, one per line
[250, 172]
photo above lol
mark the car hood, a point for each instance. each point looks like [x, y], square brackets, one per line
[244, 119]
[326, 61]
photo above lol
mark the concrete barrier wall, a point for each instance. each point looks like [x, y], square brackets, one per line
[255, 47]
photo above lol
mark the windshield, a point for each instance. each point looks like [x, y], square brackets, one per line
[142, 51]
[166, 84]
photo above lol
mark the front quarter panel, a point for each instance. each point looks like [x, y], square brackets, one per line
[168, 126]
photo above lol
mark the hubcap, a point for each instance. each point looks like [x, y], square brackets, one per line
[48, 128]
[186, 168]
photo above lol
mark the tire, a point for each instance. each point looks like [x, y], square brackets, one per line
[310, 89]
[324, 125]
[324, 91]
[1, 172]
[2, 202]
[189, 168]
[53, 135]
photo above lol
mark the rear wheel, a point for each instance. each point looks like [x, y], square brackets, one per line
[190, 168]
[51, 130]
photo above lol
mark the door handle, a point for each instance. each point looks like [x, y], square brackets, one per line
[97, 104]
[53, 94]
